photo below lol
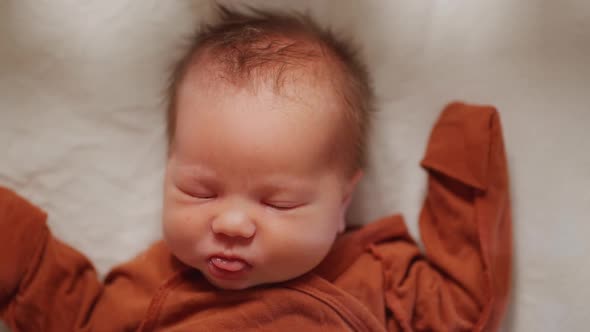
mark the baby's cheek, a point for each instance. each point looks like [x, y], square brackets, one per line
[304, 245]
[183, 237]
[179, 227]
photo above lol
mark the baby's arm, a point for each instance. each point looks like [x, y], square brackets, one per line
[44, 284]
[463, 282]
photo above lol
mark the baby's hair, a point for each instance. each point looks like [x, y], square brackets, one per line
[268, 45]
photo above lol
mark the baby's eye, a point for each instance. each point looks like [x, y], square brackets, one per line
[203, 195]
[200, 194]
[282, 205]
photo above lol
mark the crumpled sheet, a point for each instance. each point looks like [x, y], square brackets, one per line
[82, 131]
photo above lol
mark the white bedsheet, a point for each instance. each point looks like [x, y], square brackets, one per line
[82, 132]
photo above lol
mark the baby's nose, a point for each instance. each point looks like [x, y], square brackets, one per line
[234, 224]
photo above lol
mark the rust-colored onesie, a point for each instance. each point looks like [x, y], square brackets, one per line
[374, 279]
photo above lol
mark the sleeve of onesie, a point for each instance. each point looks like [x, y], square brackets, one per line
[44, 284]
[462, 281]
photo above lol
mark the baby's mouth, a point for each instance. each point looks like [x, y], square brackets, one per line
[228, 268]
[229, 264]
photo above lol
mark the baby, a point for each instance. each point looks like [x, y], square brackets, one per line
[268, 119]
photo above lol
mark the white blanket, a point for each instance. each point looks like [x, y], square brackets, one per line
[82, 131]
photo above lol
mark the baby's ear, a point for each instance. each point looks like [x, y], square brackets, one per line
[349, 188]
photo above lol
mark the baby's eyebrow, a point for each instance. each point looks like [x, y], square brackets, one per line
[196, 174]
[196, 171]
[266, 185]
[276, 184]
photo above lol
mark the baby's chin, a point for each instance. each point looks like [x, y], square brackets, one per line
[230, 284]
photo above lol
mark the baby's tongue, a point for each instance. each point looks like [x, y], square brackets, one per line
[228, 264]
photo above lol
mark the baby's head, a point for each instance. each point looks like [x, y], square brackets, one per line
[268, 117]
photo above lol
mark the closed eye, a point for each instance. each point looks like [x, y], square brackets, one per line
[198, 194]
[283, 206]
[204, 196]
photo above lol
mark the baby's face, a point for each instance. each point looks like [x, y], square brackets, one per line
[249, 196]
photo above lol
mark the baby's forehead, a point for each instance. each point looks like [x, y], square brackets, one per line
[301, 104]
[241, 122]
